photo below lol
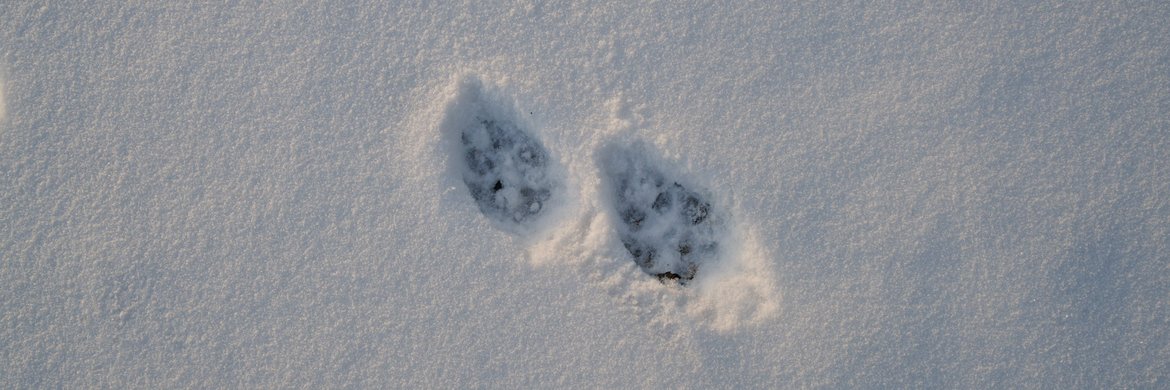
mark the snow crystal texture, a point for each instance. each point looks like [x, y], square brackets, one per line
[438, 195]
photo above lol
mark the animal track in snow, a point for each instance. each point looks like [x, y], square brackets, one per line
[671, 226]
[667, 226]
[506, 169]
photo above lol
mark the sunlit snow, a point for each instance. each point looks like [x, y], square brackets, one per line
[589, 194]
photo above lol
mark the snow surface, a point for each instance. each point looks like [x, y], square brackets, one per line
[935, 194]
[2, 105]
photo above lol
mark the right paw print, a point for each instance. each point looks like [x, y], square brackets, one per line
[666, 226]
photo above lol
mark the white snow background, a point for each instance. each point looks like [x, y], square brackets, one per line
[264, 194]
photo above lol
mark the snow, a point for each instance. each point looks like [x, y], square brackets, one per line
[277, 195]
[2, 105]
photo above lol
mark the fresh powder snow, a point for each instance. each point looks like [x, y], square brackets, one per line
[584, 194]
